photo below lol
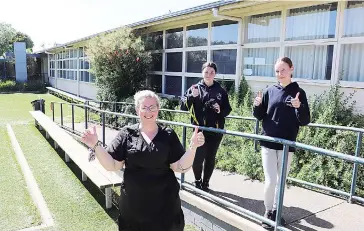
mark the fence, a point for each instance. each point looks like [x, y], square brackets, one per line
[286, 144]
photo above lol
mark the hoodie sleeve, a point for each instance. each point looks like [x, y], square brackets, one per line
[188, 101]
[260, 111]
[225, 106]
[303, 112]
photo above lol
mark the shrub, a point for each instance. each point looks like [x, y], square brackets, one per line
[120, 64]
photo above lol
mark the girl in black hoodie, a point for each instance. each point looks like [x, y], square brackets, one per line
[283, 108]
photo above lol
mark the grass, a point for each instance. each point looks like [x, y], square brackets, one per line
[15, 108]
[72, 205]
[17, 210]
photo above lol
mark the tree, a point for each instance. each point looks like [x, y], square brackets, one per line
[7, 34]
[120, 64]
[21, 37]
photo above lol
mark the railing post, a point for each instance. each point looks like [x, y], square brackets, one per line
[282, 184]
[73, 117]
[52, 105]
[355, 169]
[86, 126]
[61, 114]
[256, 130]
[184, 134]
[103, 129]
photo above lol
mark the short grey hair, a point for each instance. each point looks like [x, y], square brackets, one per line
[141, 95]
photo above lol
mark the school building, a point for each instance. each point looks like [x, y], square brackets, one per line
[324, 39]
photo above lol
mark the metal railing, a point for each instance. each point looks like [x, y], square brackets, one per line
[282, 181]
[359, 134]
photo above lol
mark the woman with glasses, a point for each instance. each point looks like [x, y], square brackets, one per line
[150, 154]
[283, 108]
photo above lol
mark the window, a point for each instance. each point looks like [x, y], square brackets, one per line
[195, 60]
[313, 22]
[174, 38]
[154, 82]
[352, 62]
[84, 76]
[354, 18]
[156, 62]
[191, 81]
[173, 85]
[154, 41]
[224, 32]
[226, 84]
[260, 61]
[311, 61]
[197, 35]
[174, 62]
[264, 27]
[225, 61]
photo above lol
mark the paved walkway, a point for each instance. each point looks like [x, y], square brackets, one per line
[303, 209]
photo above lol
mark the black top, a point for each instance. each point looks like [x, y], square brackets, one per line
[150, 189]
[201, 109]
[280, 118]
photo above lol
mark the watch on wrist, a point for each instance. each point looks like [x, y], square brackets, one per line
[92, 154]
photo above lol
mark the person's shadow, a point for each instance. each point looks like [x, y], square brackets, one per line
[292, 215]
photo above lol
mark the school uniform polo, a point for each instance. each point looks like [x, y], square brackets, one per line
[149, 197]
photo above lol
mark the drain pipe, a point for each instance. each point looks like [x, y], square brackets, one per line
[215, 12]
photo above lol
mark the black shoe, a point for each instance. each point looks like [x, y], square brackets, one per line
[205, 186]
[274, 214]
[198, 184]
[268, 215]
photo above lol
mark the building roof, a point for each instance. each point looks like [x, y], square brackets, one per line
[151, 20]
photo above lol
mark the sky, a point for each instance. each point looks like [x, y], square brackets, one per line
[60, 21]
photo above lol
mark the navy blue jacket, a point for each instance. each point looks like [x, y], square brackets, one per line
[280, 118]
[201, 109]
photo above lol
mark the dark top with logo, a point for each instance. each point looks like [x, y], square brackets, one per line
[201, 107]
[280, 118]
[150, 191]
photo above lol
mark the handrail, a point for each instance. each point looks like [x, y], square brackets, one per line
[286, 144]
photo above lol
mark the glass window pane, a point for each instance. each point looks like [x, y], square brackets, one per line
[197, 35]
[313, 22]
[260, 61]
[225, 61]
[157, 62]
[191, 81]
[174, 38]
[351, 63]
[154, 41]
[81, 64]
[173, 85]
[264, 27]
[154, 82]
[354, 13]
[80, 50]
[224, 32]
[86, 64]
[174, 62]
[226, 84]
[311, 62]
[195, 60]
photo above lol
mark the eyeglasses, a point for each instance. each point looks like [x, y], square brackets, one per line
[152, 108]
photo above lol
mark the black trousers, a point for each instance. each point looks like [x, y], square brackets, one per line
[178, 224]
[205, 156]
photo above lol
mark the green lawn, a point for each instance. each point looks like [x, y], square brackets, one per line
[15, 108]
[17, 210]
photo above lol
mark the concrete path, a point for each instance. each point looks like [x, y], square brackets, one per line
[304, 210]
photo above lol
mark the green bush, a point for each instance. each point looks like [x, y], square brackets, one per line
[13, 86]
[120, 64]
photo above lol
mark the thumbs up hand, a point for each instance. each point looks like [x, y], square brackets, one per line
[197, 139]
[258, 100]
[296, 103]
